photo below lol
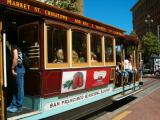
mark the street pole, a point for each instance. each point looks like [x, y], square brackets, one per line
[141, 68]
[149, 21]
[158, 28]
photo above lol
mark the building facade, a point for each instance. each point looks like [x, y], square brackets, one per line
[146, 17]
[80, 5]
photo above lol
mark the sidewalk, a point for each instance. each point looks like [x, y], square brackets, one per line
[150, 76]
[147, 108]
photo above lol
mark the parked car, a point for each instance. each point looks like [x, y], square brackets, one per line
[146, 69]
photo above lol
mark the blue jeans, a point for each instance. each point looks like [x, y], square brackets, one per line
[130, 72]
[125, 74]
[18, 96]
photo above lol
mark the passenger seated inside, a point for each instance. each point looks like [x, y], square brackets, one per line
[75, 57]
[119, 72]
[81, 57]
[118, 66]
[93, 57]
[125, 76]
[59, 56]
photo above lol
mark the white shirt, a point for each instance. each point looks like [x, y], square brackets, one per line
[127, 65]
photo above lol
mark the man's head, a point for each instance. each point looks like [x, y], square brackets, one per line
[60, 54]
[130, 57]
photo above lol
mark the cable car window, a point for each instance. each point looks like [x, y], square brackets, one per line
[96, 48]
[109, 53]
[79, 47]
[30, 43]
[57, 44]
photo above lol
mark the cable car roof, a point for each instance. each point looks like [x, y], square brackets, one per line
[49, 11]
[127, 40]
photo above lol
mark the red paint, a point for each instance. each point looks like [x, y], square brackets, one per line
[48, 83]
[32, 83]
[51, 83]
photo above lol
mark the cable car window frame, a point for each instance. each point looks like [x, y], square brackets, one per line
[56, 65]
[32, 48]
[102, 49]
[83, 31]
[113, 48]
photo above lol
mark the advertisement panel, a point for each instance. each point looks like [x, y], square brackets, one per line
[73, 80]
[84, 79]
[98, 77]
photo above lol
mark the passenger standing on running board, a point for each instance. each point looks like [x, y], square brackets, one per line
[18, 72]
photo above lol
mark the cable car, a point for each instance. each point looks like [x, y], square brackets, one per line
[72, 69]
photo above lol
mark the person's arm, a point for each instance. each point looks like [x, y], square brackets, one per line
[122, 65]
[125, 64]
[14, 61]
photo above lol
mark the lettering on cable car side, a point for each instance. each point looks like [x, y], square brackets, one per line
[74, 99]
[18, 4]
[100, 28]
[56, 15]
[37, 10]
[85, 23]
[77, 21]
[25, 6]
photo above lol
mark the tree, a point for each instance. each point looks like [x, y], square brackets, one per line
[133, 33]
[150, 46]
[65, 4]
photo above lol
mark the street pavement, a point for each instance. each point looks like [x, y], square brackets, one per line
[146, 106]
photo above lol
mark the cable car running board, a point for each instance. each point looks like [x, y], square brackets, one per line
[24, 115]
[122, 96]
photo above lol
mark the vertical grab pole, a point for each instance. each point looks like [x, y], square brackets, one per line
[3, 15]
[134, 64]
[141, 68]
[4, 59]
[4, 72]
[123, 72]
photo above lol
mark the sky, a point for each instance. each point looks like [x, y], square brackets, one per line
[112, 12]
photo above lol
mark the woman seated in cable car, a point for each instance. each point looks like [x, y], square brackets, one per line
[59, 56]
[93, 57]
[75, 57]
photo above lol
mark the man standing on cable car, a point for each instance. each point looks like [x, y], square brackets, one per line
[18, 72]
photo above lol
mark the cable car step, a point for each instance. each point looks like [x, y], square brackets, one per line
[19, 116]
[125, 94]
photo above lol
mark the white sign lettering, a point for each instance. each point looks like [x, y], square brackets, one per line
[73, 99]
